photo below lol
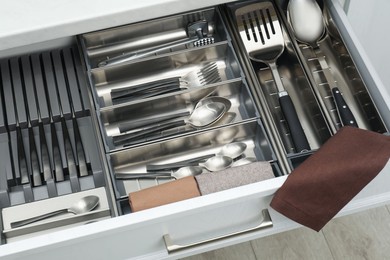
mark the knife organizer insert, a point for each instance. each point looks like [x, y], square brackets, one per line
[47, 146]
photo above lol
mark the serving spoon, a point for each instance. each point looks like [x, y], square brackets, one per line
[305, 17]
[84, 205]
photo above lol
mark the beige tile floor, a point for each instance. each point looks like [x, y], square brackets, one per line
[364, 235]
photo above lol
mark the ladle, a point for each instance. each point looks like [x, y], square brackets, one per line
[305, 17]
[231, 150]
[81, 206]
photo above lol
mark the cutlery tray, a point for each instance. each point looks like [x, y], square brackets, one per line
[248, 85]
[241, 122]
[305, 82]
[345, 73]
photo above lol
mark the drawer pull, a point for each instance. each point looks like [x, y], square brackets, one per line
[265, 223]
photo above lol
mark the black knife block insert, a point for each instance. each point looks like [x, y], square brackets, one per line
[42, 95]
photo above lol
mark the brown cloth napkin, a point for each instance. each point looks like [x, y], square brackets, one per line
[323, 184]
[234, 177]
[166, 193]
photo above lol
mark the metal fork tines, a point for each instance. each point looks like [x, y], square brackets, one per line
[207, 74]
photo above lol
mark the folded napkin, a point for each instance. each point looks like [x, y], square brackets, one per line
[166, 193]
[324, 183]
[234, 177]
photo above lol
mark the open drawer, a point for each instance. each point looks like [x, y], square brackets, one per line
[208, 222]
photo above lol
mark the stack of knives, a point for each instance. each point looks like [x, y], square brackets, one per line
[42, 98]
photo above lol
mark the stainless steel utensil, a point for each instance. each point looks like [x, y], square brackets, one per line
[207, 74]
[262, 36]
[305, 17]
[84, 205]
[156, 121]
[215, 163]
[180, 173]
[232, 150]
[200, 117]
[244, 161]
[197, 33]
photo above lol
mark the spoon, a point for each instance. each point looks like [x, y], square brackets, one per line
[152, 122]
[231, 150]
[180, 173]
[206, 114]
[305, 17]
[208, 100]
[244, 161]
[202, 116]
[84, 205]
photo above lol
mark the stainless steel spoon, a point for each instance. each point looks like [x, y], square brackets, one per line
[180, 173]
[305, 17]
[206, 114]
[84, 205]
[202, 116]
[215, 163]
[152, 122]
[231, 150]
[244, 161]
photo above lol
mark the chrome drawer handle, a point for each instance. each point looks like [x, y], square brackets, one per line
[265, 223]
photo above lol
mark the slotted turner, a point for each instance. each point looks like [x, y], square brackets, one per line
[262, 36]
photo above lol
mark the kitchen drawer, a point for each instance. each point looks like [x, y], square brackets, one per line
[204, 223]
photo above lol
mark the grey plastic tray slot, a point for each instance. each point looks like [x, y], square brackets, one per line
[2, 115]
[72, 83]
[18, 92]
[81, 79]
[30, 90]
[61, 84]
[40, 88]
[8, 94]
[51, 86]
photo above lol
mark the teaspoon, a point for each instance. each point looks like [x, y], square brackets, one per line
[84, 205]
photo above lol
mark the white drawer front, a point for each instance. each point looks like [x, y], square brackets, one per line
[140, 235]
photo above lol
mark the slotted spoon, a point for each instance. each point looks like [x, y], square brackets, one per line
[262, 36]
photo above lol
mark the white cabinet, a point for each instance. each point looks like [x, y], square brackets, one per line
[371, 33]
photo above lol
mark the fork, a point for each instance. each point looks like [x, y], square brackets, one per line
[208, 74]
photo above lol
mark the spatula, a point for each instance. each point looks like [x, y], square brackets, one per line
[262, 37]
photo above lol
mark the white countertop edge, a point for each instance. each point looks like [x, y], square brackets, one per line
[27, 22]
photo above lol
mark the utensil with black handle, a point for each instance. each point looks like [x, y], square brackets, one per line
[262, 36]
